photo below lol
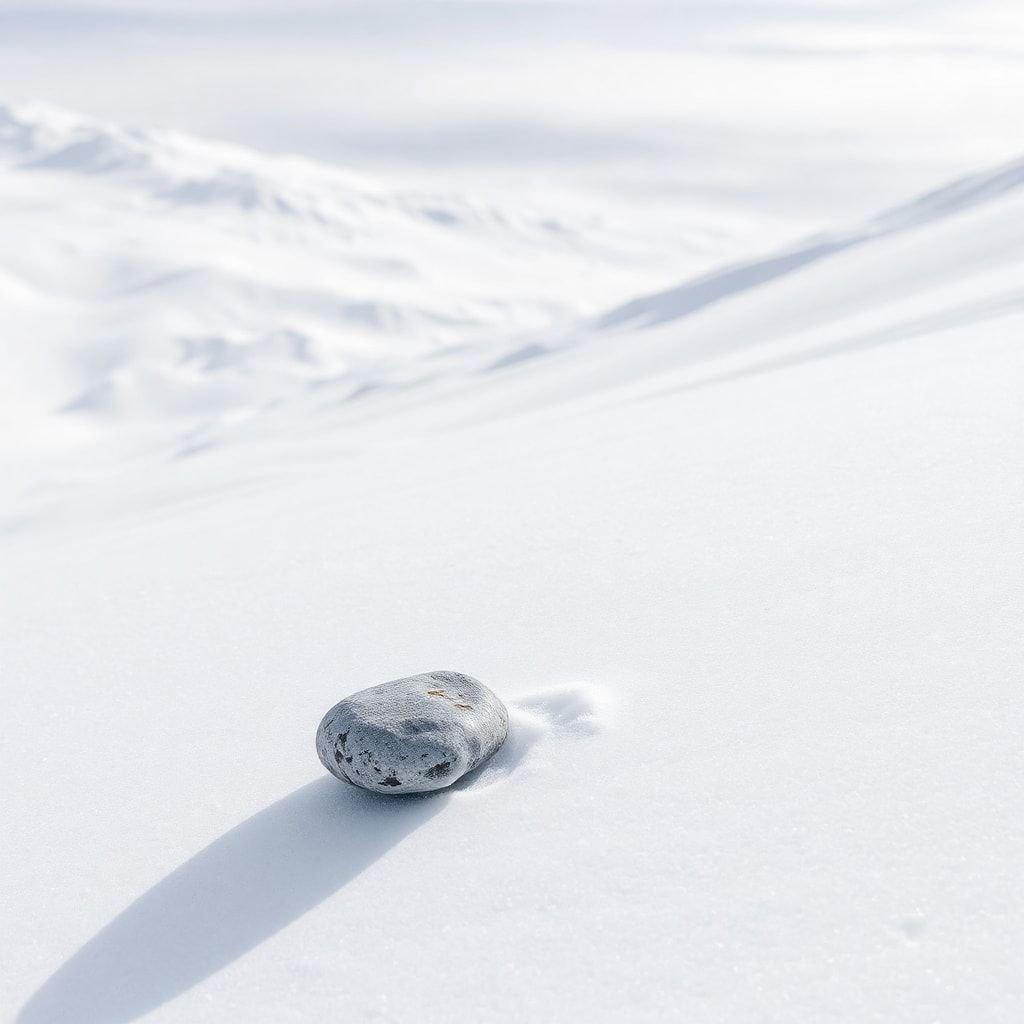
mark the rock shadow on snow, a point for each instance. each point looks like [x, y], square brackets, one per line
[227, 899]
[266, 873]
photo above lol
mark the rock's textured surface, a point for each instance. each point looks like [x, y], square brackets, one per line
[412, 735]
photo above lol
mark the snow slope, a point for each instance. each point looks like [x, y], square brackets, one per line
[747, 571]
[179, 285]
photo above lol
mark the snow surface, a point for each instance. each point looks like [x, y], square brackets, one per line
[736, 537]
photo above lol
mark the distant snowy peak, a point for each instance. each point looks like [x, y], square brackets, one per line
[182, 171]
[41, 136]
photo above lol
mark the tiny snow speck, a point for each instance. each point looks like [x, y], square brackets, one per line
[412, 735]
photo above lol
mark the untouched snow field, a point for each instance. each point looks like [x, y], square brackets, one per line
[737, 535]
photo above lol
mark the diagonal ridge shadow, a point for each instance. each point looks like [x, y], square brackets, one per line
[231, 896]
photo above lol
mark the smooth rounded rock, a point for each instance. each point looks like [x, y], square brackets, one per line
[412, 735]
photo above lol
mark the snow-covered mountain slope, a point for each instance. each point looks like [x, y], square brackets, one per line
[746, 571]
[163, 293]
[140, 352]
[963, 196]
[178, 285]
[951, 257]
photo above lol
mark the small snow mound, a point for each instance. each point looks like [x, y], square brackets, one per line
[543, 718]
[563, 709]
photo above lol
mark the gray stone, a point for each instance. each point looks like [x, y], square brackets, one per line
[412, 735]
